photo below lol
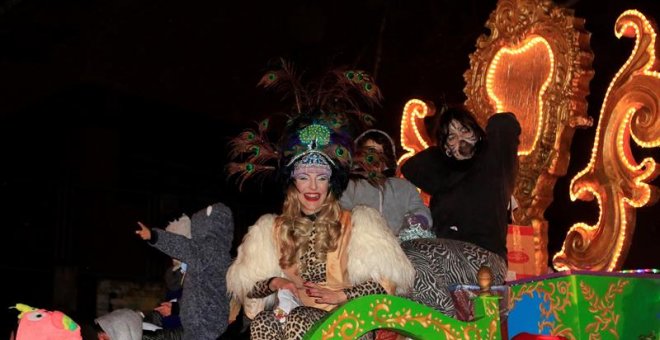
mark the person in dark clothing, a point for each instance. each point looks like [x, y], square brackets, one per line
[204, 307]
[166, 315]
[174, 277]
[169, 309]
[470, 176]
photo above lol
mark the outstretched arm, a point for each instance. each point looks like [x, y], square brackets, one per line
[174, 245]
[144, 232]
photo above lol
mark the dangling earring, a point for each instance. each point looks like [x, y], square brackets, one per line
[448, 152]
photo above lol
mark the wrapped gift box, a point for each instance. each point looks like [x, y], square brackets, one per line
[520, 247]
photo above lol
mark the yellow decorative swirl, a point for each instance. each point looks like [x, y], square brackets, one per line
[605, 317]
[499, 85]
[349, 325]
[414, 137]
[556, 298]
[491, 310]
[613, 177]
[399, 314]
[382, 315]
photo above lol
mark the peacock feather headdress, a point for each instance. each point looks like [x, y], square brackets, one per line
[321, 122]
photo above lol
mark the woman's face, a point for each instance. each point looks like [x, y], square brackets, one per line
[461, 141]
[312, 184]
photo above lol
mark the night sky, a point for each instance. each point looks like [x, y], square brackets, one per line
[117, 111]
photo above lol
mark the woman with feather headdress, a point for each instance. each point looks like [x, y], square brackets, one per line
[293, 268]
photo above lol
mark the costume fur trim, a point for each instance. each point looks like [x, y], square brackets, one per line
[181, 226]
[375, 253]
[257, 259]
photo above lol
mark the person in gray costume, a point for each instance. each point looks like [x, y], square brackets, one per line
[374, 184]
[204, 306]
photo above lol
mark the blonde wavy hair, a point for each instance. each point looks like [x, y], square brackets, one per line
[295, 230]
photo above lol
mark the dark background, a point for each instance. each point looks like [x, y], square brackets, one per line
[118, 111]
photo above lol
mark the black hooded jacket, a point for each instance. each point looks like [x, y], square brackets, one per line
[469, 198]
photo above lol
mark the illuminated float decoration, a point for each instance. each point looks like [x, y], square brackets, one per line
[536, 62]
[613, 177]
[414, 137]
[564, 304]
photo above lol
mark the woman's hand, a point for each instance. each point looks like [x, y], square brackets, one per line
[278, 283]
[165, 308]
[325, 295]
[144, 232]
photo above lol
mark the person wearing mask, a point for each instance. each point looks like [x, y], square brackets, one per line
[470, 175]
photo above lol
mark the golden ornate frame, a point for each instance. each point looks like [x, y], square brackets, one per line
[630, 112]
[536, 62]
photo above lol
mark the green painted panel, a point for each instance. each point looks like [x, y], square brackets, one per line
[588, 306]
[407, 317]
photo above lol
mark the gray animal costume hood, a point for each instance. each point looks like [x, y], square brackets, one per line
[204, 305]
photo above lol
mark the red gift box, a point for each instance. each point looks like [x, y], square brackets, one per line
[520, 247]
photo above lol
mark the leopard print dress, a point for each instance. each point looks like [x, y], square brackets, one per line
[302, 318]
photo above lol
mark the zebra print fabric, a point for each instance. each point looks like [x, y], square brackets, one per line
[440, 263]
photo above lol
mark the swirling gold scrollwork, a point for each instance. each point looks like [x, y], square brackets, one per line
[414, 137]
[373, 312]
[613, 177]
[557, 297]
[492, 309]
[536, 62]
[381, 314]
[345, 326]
[606, 317]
